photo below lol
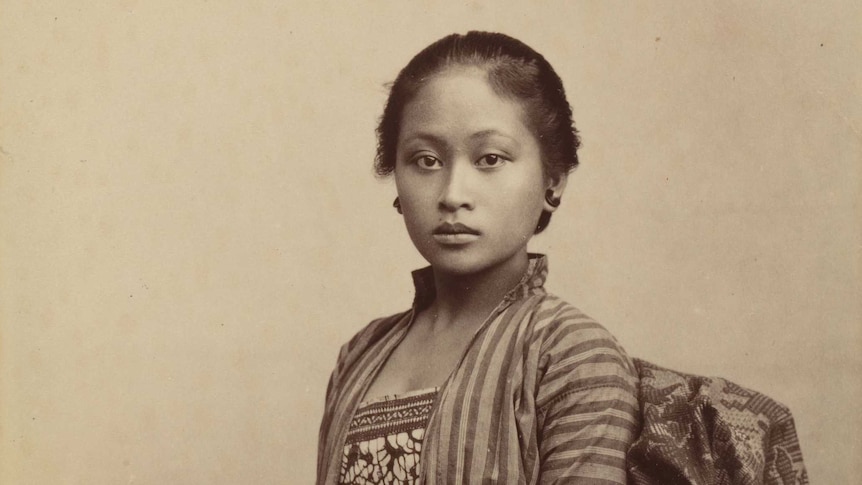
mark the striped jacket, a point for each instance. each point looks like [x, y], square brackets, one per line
[543, 394]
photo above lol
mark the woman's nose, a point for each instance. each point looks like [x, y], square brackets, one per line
[456, 193]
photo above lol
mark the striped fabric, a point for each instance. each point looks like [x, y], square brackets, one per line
[543, 394]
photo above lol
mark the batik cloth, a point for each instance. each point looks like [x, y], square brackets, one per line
[384, 441]
[710, 431]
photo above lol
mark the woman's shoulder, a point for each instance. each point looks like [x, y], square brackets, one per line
[555, 319]
[563, 334]
[370, 334]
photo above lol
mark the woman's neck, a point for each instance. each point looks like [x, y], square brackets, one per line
[465, 299]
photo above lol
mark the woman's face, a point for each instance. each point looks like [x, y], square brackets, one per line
[468, 173]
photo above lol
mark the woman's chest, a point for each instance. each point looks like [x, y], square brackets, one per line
[420, 361]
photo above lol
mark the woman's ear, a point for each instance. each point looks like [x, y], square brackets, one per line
[554, 193]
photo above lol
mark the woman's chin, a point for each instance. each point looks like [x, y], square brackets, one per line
[461, 263]
[464, 263]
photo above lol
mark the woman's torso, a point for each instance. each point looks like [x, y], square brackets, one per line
[535, 356]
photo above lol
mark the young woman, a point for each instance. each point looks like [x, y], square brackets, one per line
[488, 377]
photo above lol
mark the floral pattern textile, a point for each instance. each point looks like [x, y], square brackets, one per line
[709, 431]
[385, 439]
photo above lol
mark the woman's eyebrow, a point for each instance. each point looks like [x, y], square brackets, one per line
[424, 136]
[441, 141]
[489, 133]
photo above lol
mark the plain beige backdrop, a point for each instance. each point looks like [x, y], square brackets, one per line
[190, 227]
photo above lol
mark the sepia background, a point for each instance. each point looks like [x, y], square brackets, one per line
[190, 226]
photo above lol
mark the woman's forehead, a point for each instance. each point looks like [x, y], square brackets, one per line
[461, 103]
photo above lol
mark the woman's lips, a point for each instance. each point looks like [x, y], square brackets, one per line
[454, 234]
[455, 239]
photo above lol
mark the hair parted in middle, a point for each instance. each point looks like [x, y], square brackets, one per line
[515, 71]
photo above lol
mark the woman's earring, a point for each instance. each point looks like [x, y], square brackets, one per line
[550, 199]
[397, 205]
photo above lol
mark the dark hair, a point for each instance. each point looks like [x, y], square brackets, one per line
[515, 71]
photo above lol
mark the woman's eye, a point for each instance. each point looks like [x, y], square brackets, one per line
[491, 161]
[427, 162]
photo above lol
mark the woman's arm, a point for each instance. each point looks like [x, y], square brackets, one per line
[587, 407]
